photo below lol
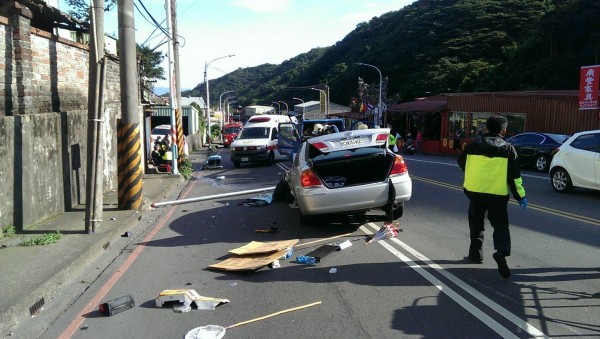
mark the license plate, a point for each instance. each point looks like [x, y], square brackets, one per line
[351, 142]
[245, 159]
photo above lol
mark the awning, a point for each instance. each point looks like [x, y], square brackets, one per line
[420, 106]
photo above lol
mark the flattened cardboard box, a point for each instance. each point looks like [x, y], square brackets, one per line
[248, 262]
[257, 247]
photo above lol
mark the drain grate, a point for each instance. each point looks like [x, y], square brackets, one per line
[35, 309]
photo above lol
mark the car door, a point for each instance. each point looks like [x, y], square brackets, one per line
[585, 160]
[288, 139]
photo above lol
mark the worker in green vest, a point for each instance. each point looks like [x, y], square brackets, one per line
[491, 172]
[392, 139]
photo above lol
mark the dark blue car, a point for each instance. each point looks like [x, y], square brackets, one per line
[536, 149]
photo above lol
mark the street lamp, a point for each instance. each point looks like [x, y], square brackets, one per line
[208, 94]
[287, 108]
[225, 102]
[302, 101]
[379, 109]
[278, 105]
[222, 120]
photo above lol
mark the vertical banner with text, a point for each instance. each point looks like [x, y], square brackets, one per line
[588, 87]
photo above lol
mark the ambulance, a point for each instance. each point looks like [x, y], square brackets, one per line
[257, 141]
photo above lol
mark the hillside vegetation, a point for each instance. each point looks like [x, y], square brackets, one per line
[438, 46]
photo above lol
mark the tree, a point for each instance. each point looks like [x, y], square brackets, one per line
[80, 9]
[150, 61]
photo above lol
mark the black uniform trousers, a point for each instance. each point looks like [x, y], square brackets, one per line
[497, 214]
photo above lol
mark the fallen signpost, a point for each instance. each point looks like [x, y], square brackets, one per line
[210, 197]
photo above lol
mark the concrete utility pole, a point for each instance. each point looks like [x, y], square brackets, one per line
[129, 154]
[177, 83]
[172, 104]
[97, 67]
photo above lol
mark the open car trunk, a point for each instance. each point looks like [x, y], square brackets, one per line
[352, 167]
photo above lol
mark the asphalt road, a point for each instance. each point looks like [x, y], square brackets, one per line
[418, 285]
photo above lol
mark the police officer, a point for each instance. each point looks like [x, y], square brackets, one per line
[491, 171]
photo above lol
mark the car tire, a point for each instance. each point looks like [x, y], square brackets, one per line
[541, 163]
[561, 181]
[398, 211]
[236, 164]
[281, 191]
[270, 159]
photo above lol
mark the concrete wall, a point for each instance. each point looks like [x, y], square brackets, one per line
[43, 122]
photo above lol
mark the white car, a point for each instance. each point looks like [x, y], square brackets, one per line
[350, 173]
[159, 131]
[576, 163]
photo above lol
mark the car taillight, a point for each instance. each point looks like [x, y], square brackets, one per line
[399, 166]
[381, 137]
[321, 146]
[271, 148]
[309, 179]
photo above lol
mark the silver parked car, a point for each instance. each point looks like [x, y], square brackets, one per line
[349, 172]
[576, 163]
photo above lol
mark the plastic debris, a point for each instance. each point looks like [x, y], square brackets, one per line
[221, 177]
[345, 244]
[333, 270]
[387, 231]
[259, 200]
[187, 297]
[275, 264]
[113, 218]
[182, 308]
[126, 234]
[206, 332]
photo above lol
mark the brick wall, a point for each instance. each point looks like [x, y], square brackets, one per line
[43, 121]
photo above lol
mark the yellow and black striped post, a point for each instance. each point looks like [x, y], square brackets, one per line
[180, 138]
[129, 166]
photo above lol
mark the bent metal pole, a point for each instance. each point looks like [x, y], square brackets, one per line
[209, 197]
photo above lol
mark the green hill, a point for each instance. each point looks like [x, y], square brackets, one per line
[439, 46]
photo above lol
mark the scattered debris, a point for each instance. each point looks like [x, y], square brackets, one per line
[333, 270]
[187, 297]
[259, 200]
[227, 204]
[217, 332]
[126, 234]
[255, 255]
[274, 264]
[221, 177]
[322, 251]
[188, 284]
[183, 211]
[258, 247]
[344, 244]
[273, 229]
[84, 327]
[117, 305]
[387, 231]
[113, 218]
[182, 308]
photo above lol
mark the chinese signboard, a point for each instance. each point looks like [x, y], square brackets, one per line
[588, 87]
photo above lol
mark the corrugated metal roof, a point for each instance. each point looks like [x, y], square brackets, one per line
[166, 111]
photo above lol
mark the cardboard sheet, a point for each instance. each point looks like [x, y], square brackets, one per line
[257, 247]
[248, 262]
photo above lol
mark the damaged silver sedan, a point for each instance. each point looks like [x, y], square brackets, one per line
[350, 172]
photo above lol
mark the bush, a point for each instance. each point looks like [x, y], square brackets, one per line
[185, 169]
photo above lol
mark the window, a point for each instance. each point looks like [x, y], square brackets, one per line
[587, 142]
[457, 123]
[534, 139]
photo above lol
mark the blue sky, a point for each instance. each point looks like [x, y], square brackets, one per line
[255, 31]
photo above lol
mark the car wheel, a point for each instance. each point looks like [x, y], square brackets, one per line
[271, 159]
[541, 163]
[281, 191]
[398, 211]
[561, 181]
[236, 164]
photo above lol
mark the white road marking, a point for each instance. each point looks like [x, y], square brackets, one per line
[495, 326]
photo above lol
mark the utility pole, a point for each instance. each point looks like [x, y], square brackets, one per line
[177, 83]
[129, 154]
[97, 67]
[172, 103]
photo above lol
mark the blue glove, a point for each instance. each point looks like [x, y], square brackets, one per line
[523, 203]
